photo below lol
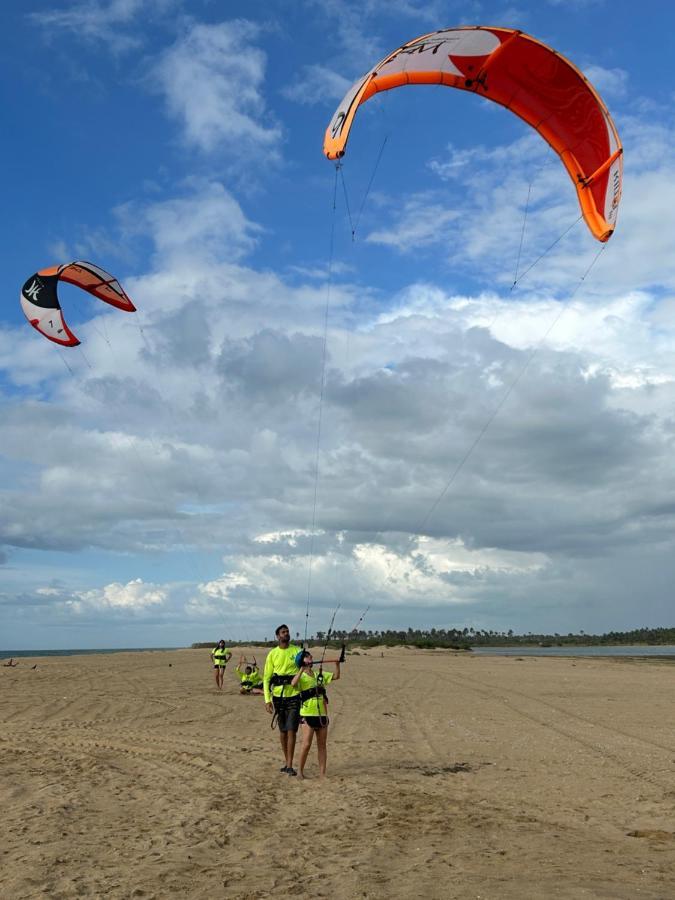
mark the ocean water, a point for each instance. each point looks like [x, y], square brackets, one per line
[634, 650]
[18, 654]
[665, 650]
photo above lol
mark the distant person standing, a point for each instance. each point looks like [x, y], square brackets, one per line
[220, 655]
[281, 698]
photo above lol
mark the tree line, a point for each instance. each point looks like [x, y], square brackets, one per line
[466, 638]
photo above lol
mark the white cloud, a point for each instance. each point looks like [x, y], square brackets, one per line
[423, 573]
[131, 597]
[209, 446]
[610, 82]
[212, 80]
[489, 196]
[103, 21]
[358, 24]
[577, 3]
[316, 84]
[421, 222]
[198, 436]
[206, 223]
[287, 537]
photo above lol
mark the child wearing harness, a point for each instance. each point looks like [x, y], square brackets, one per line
[313, 709]
[251, 679]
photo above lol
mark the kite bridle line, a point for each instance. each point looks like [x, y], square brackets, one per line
[370, 184]
[519, 278]
[328, 634]
[64, 360]
[146, 471]
[421, 529]
[339, 172]
[344, 191]
[319, 676]
[522, 233]
[182, 543]
[321, 397]
[355, 628]
[354, 225]
[505, 396]
[545, 164]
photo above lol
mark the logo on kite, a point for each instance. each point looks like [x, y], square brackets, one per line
[526, 76]
[337, 124]
[40, 302]
[33, 291]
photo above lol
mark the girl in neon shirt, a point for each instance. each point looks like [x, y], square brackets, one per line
[313, 710]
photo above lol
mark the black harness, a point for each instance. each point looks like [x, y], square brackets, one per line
[311, 693]
[276, 680]
[282, 680]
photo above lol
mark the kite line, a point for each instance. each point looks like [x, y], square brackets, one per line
[322, 391]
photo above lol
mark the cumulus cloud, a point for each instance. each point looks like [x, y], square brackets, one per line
[205, 223]
[575, 466]
[212, 79]
[130, 597]
[316, 84]
[487, 456]
[521, 191]
[358, 24]
[610, 82]
[105, 22]
[578, 3]
[419, 223]
[427, 573]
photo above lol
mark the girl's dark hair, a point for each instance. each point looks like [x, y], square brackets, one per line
[276, 633]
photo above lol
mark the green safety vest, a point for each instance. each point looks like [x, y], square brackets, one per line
[220, 656]
[254, 679]
[313, 705]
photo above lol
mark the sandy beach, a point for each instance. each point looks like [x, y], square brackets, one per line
[449, 776]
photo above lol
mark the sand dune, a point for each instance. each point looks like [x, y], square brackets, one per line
[450, 776]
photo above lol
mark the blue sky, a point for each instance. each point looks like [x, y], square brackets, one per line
[157, 484]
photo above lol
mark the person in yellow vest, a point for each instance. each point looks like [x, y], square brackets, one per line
[282, 699]
[313, 708]
[220, 655]
[249, 674]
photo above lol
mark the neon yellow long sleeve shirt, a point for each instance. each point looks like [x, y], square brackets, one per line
[280, 662]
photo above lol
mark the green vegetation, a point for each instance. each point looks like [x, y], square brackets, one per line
[466, 638]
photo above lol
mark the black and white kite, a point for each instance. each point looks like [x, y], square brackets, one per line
[40, 302]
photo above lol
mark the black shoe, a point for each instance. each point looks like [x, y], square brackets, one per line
[284, 769]
[291, 771]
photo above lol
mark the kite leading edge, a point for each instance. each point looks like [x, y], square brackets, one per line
[526, 76]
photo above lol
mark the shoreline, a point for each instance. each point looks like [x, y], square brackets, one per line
[81, 651]
[603, 651]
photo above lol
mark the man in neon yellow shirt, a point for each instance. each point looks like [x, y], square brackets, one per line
[312, 686]
[282, 700]
[220, 655]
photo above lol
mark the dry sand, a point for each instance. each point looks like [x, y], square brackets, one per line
[449, 776]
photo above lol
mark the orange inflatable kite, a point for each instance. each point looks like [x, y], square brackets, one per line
[524, 75]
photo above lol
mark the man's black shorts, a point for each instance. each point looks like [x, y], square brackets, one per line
[288, 712]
